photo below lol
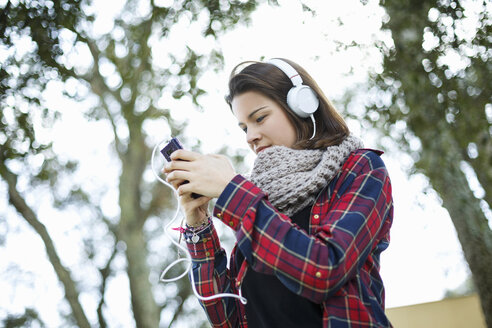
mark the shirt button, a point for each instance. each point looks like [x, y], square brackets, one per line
[316, 216]
[219, 215]
[231, 223]
[204, 240]
[318, 274]
[207, 253]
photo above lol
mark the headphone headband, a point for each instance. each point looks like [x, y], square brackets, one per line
[290, 71]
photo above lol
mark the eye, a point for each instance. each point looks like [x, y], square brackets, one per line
[261, 118]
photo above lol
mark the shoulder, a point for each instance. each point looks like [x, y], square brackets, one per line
[361, 166]
[364, 159]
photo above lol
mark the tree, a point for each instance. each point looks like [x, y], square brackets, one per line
[437, 86]
[126, 72]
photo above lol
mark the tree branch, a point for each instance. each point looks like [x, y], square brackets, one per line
[71, 292]
[117, 140]
[143, 54]
[106, 272]
[178, 311]
[99, 87]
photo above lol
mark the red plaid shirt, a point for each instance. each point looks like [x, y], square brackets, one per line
[335, 265]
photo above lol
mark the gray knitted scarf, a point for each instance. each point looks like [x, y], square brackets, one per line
[293, 178]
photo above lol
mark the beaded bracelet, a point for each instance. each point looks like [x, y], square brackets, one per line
[197, 227]
[194, 231]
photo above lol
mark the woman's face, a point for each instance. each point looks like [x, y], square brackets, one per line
[263, 120]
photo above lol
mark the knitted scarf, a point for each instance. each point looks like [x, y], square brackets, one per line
[293, 178]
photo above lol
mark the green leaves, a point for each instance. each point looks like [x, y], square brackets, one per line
[27, 319]
[128, 75]
[438, 77]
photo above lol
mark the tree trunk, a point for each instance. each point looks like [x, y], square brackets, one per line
[441, 155]
[469, 220]
[145, 309]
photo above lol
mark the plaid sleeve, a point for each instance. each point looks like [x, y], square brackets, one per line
[211, 277]
[313, 266]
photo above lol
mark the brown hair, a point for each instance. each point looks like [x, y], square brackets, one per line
[270, 81]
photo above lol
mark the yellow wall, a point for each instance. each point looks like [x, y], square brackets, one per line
[459, 312]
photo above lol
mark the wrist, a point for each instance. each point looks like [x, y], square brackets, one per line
[197, 223]
[227, 179]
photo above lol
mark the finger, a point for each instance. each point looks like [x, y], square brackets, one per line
[167, 168]
[176, 165]
[194, 203]
[184, 189]
[177, 183]
[175, 180]
[184, 155]
[178, 175]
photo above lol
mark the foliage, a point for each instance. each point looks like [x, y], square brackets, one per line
[434, 98]
[27, 319]
[125, 76]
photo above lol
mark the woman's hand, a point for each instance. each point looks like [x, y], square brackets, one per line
[195, 209]
[207, 175]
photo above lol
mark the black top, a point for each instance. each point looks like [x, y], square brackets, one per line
[271, 304]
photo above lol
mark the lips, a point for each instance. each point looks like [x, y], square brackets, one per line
[261, 148]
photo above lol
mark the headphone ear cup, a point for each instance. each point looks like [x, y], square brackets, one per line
[302, 100]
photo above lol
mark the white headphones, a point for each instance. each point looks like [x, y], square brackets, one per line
[300, 98]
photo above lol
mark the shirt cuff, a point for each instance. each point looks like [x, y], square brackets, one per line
[238, 197]
[206, 246]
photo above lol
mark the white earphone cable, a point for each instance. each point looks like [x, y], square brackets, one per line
[314, 126]
[188, 258]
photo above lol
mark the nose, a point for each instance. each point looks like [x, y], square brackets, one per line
[252, 136]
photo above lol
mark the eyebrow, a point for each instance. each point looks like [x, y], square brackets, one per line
[253, 113]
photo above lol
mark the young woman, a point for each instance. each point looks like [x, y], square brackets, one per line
[310, 221]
